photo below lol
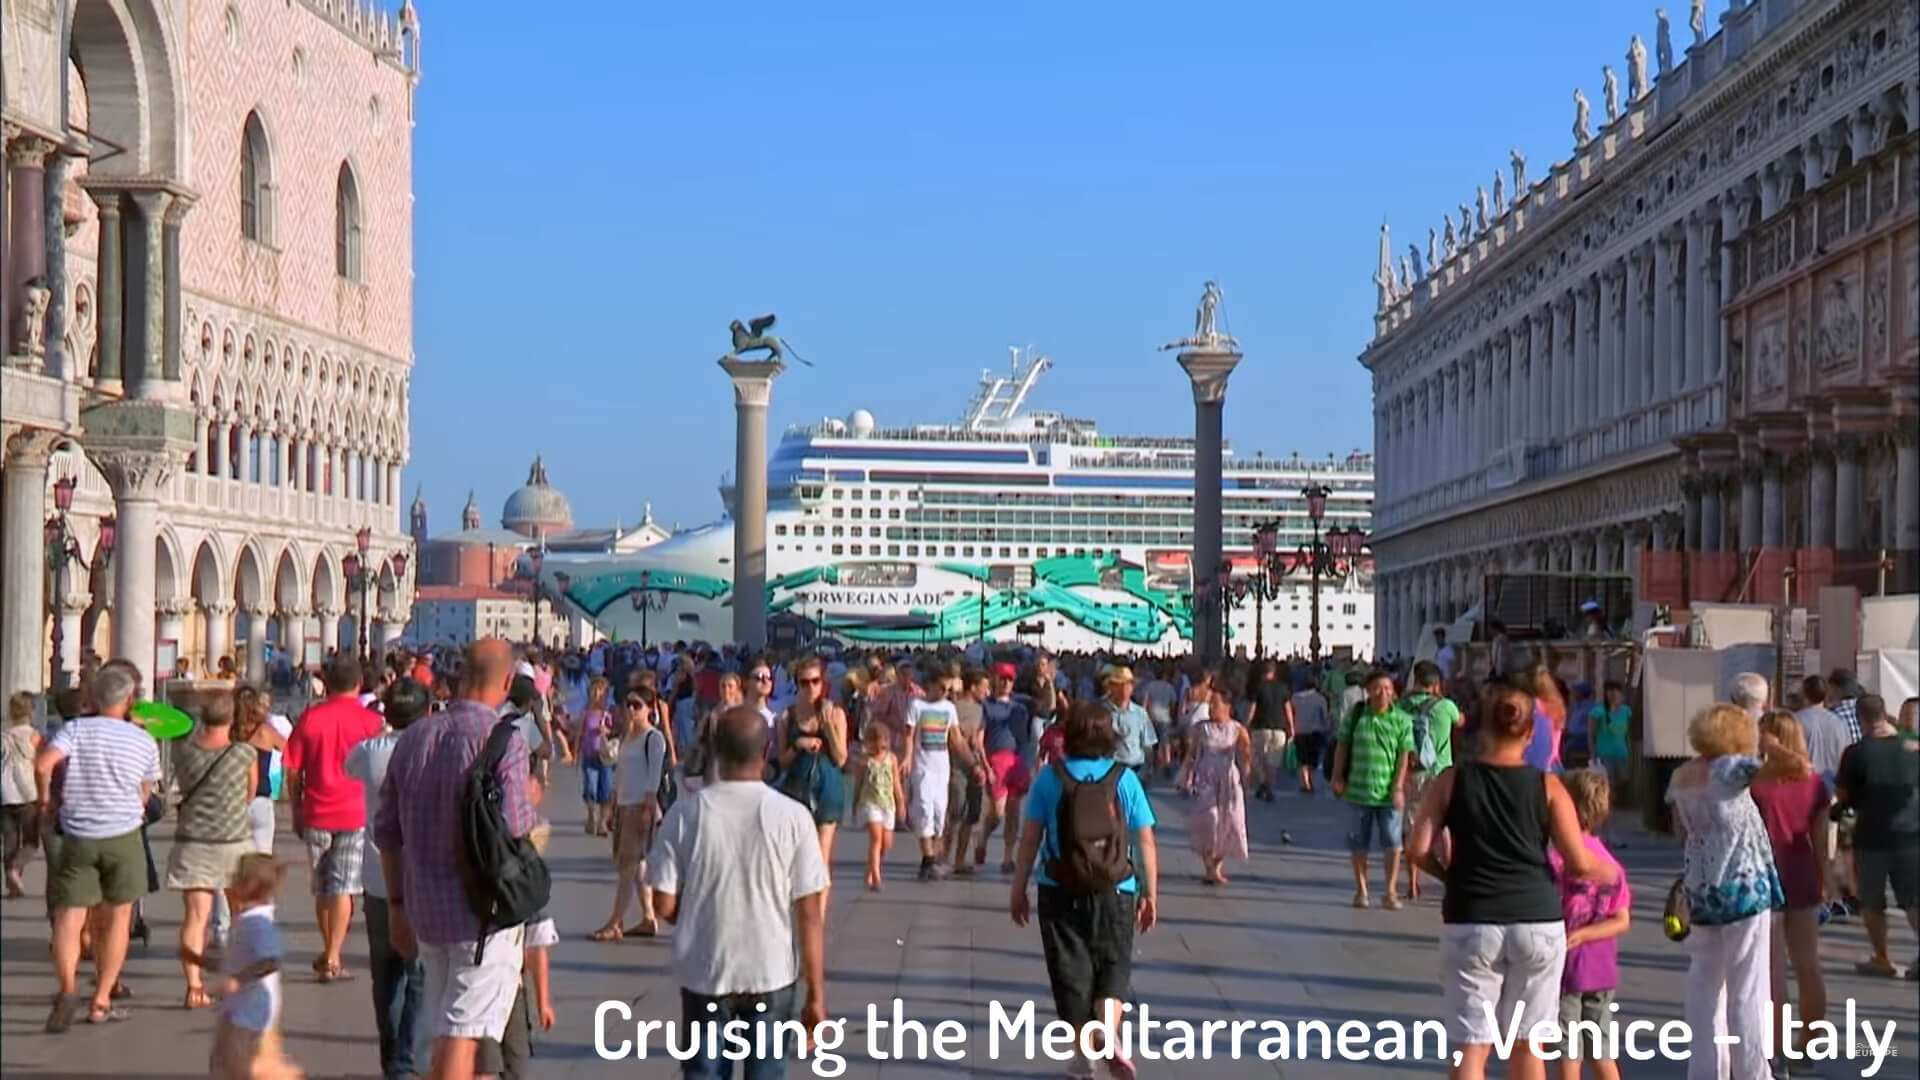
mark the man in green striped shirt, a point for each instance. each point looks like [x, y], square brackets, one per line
[1372, 750]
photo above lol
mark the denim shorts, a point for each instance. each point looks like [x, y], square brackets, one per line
[596, 783]
[1373, 826]
[1503, 966]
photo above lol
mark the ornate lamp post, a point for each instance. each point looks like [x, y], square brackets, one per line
[360, 569]
[647, 599]
[1266, 580]
[536, 561]
[1316, 559]
[61, 549]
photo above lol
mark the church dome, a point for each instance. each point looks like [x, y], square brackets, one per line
[536, 507]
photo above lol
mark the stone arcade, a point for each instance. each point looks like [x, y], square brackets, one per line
[208, 324]
[1699, 330]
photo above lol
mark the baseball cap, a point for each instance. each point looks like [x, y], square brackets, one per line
[1005, 671]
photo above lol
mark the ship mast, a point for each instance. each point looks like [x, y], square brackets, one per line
[1000, 397]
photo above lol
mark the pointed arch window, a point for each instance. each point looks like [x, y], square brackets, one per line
[346, 224]
[256, 182]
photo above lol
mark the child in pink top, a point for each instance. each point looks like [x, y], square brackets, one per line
[1596, 918]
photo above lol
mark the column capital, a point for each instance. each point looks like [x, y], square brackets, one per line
[255, 610]
[28, 151]
[752, 379]
[30, 447]
[219, 609]
[177, 607]
[136, 473]
[327, 611]
[1208, 371]
[75, 603]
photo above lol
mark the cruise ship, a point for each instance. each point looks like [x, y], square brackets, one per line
[1007, 525]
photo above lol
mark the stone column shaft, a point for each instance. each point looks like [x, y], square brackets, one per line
[1697, 306]
[27, 246]
[1580, 400]
[1664, 360]
[752, 389]
[1820, 499]
[110, 288]
[1847, 504]
[1208, 371]
[256, 663]
[1750, 515]
[150, 333]
[22, 632]
[219, 625]
[1773, 509]
[1906, 509]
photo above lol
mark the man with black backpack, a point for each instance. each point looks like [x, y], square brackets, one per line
[1086, 816]
[461, 873]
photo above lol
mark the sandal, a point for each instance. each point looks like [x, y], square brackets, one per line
[1873, 968]
[335, 973]
[609, 932]
[644, 928]
[112, 1014]
[197, 998]
[120, 992]
[66, 1009]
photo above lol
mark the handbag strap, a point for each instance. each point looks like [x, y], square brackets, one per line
[187, 797]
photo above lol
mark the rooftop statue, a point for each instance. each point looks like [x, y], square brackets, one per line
[1406, 271]
[1610, 92]
[1636, 69]
[1519, 171]
[1662, 41]
[1499, 191]
[1697, 19]
[1466, 223]
[1480, 209]
[1413, 258]
[1433, 249]
[1582, 115]
[1452, 240]
[753, 337]
[1206, 328]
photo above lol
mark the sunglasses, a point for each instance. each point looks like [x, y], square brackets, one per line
[762, 676]
[813, 680]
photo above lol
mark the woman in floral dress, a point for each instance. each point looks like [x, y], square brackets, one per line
[1218, 755]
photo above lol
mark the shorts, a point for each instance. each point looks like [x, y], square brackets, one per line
[245, 1054]
[1417, 781]
[335, 858]
[88, 871]
[965, 800]
[1270, 745]
[194, 865]
[261, 823]
[1485, 964]
[1010, 776]
[1878, 869]
[465, 1000]
[596, 783]
[1373, 827]
[1307, 748]
[1087, 939]
[927, 806]
[867, 814]
[509, 1054]
[633, 835]
[1592, 1007]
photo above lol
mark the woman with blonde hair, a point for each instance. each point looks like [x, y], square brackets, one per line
[1793, 801]
[1549, 716]
[1731, 887]
[698, 762]
[19, 818]
[810, 750]
[599, 750]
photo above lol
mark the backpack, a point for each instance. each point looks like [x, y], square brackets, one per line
[505, 879]
[669, 790]
[1425, 756]
[1095, 850]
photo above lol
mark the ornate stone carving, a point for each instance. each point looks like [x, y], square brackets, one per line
[175, 607]
[1610, 92]
[1837, 344]
[35, 298]
[1582, 118]
[1770, 358]
[1662, 41]
[136, 473]
[1636, 69]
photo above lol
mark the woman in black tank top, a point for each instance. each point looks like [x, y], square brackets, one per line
[1504, 940]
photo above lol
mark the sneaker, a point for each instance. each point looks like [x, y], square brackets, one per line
[1079, 1068]
[1286, 837]
[1119, 1067]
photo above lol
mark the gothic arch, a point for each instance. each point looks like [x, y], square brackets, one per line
[289, 592]
[132, 67]
[249, 576]
[208, 572]
[325, 582]
[166, 564]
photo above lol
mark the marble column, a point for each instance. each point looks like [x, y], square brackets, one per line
[256, 662]
[1608, 404]
[217, 465]
[1580, 400]
[148, 333]
[1692, 509]
[110, 290]
[1848, 507]
[1566, 363]
[1773, 509]
[1820, 496]
[1591, 384]
[1208, 369]
[1684, 372]
[27, 247]
[1538, 326]
[1906, 506]
[22, 631]
[1750, 506]
[170, 618]
[1633, 349]
[329, 618]
[138, 477]
[218, 617]
[73, 608]
[1664, 361]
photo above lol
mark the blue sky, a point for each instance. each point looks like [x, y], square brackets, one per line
[601, 186]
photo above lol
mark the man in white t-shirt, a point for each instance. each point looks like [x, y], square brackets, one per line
[746, 861]
[1445, 655]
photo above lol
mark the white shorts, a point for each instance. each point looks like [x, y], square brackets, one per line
[1270, 744]
[1484, 964]
[465, 1000]
[873, 815]
[927, 806]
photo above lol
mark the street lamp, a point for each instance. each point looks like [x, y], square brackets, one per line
[1266, 580]
[61, 549]
[646, 599]
[536, 561]
[360, 568]
[1316, 559]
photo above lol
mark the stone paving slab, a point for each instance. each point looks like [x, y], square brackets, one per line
[1281, 942]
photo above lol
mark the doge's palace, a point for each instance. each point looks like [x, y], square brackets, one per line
[208, 326]
[1697, 330]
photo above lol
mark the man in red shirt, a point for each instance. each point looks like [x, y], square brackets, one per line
[329, 807]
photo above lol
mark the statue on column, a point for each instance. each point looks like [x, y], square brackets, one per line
[1582, 116]
[1413, 258]
[1610, 92]
[1466, 223]
[1519, 161]
[1206, 328]
[1500, 192]
[1662, 41]
[1636, 69]
[1697, 20]
[35, 299]
[1480, 214]
[753, 337]
[1452, 241]
[1433, 250]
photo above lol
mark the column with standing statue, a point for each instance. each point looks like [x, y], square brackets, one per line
[1208, 356]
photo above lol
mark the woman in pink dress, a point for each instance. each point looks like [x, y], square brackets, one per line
[1793, 802]
[1218, 755]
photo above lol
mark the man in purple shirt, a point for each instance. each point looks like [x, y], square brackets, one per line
[418, 832]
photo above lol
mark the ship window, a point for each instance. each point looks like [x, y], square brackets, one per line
[1022, 553]
[893, 513]
[819, 530]
[839, 530]
[1040, 553]
[893, 494]
[779, 530]
[838, 512]
[856, 549]
[949, 551]
[837, 550]
[967, 551]
[893, 549]
[856, 494]
[839, 493]
[854, 530]
[854, 513]
[913, 549]
[874, 494]
[1006, 553]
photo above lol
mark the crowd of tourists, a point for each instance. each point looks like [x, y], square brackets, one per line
[721, 779]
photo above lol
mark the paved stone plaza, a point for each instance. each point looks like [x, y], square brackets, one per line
[1281, 942]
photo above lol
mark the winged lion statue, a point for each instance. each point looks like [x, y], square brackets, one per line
[752, 336]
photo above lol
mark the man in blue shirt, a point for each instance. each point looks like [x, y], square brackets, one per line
[1131, 724]
[1007, 733]
[1087, 934]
